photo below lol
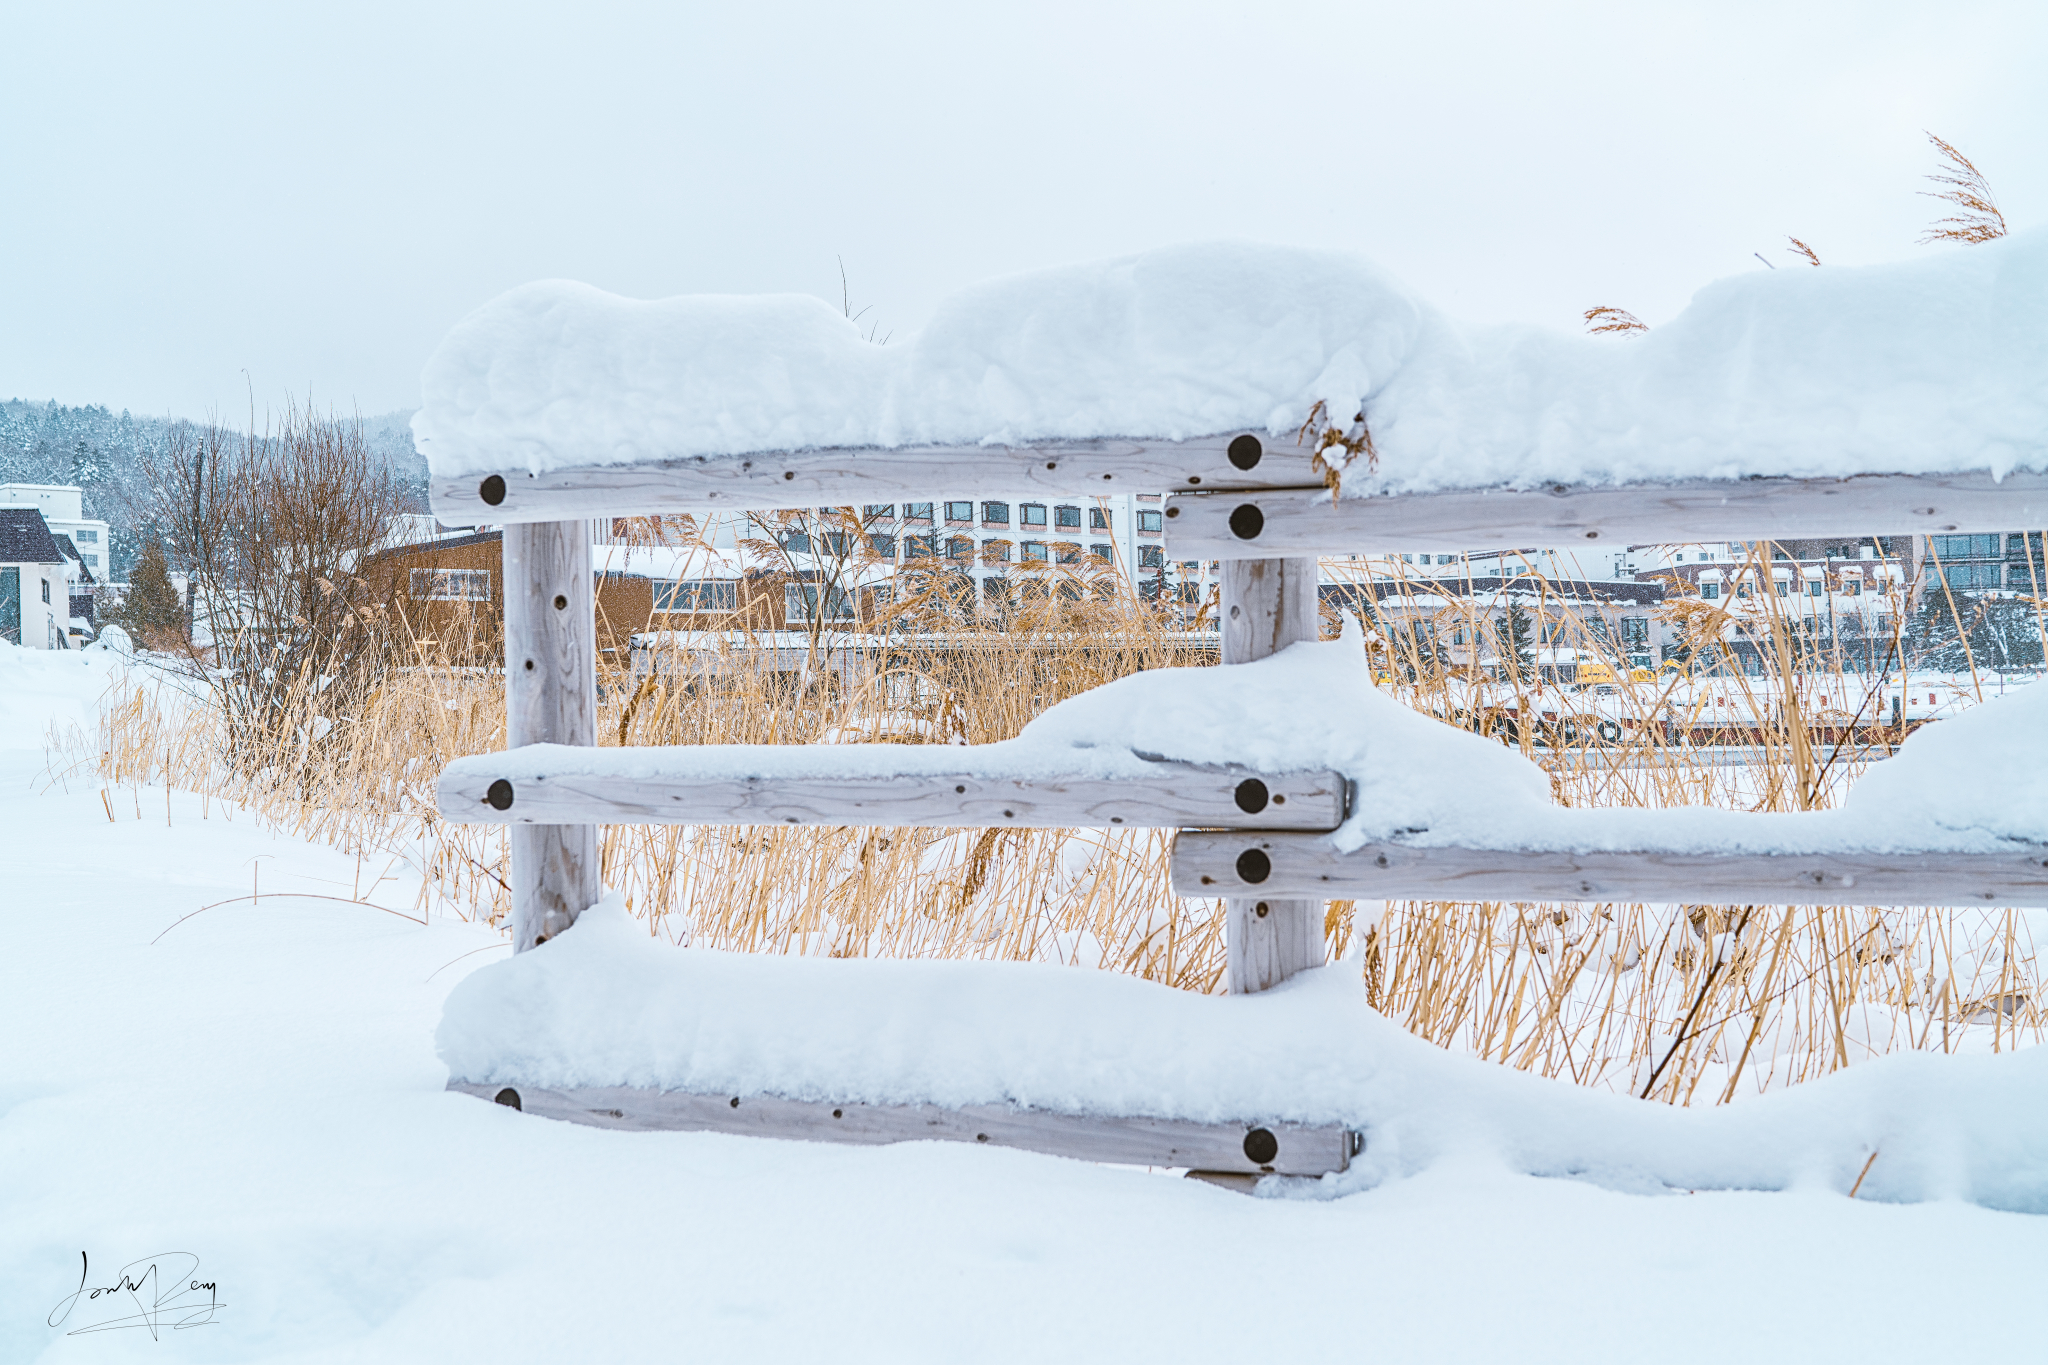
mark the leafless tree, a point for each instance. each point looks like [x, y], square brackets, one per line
[275, 529]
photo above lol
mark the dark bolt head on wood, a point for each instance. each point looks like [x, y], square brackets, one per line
[1245, 451]
[1247, 521]
[1253, 866]
[561, 602]
[1251, 796]
[492, 490]
[500, 795]
[1260, 1146]
[510, 1097]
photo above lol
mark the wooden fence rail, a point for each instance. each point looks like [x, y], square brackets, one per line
[1240, 525]
[1221, 864]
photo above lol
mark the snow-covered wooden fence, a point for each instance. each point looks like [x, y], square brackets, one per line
[1268, 843]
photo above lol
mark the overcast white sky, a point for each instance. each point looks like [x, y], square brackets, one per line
[203, 198]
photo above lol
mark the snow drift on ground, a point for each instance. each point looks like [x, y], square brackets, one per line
[1975, 783]
[257, 1087]
[605, 1004]
[1936, 364]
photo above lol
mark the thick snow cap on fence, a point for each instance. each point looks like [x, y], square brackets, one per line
[1934, 365]
[606, 1004]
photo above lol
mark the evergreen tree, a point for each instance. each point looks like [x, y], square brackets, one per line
[152, 611]
[1514, 644]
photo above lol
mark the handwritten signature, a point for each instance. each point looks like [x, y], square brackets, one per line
[165, 1289]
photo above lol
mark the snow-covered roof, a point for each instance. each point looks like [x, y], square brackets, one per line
[1938, 364]
[25, 538]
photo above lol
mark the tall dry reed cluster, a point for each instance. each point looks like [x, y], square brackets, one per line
[1686, 1003]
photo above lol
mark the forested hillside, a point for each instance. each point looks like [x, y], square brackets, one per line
[102, 451]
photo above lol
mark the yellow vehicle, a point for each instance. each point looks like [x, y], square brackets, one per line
[1593, 674]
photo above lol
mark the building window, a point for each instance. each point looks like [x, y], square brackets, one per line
[1067, 516]
[1100, 552]
[800, 603]
[1034, 550]
[1852, 587]
[1098, 519]
[1967, 547]
[1150, 520]
[1151, 556]
[921, 547]
[879, 511]
[46, 591]
[882, 547]
[1635, 632]
[959, 547]
[959, 511]
[1067, 553]
[86, 537]
[1031, 514]
[1814, 587]
[995, 552]
[1971, 575]
[696, 594]
[995, 514]
[917, 511]
[1710, 591]
[449, 585]
[2023, 577]
[796, 542]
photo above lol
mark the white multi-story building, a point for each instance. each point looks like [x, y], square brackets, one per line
[63, 509]
[992, 541]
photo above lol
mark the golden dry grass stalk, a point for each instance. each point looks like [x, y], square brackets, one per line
[1697, 1003]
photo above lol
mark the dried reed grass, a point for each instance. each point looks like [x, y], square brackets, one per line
[1693, 1003]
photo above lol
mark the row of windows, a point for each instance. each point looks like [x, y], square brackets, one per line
[2019, 576]
[1988, 546]
[451, 585]
[1849, 587]
[885, 546]
[998, 514]
[803, 604]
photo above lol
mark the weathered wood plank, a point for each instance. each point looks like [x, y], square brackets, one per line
[1226, 526]
[550, 698]
[858, 475]
[1242, 1148]
[1180, 794]
[1296, 864]
[1267, 605]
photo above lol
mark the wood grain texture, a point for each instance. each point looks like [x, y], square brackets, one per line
[1179, 795]
[858, 475]
[550, 698]
[1300, 1149]
[1267, 605]
[1210, 865]
[1308, 523]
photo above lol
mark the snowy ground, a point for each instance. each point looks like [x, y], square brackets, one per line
[258, 1088]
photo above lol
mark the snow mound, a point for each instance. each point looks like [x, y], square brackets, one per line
[606, 1004]
[1937, 365]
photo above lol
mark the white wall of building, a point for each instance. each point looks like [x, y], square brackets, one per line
[45, 605]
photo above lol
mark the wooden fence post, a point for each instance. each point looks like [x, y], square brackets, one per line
[550, 698]
[1267, 605]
